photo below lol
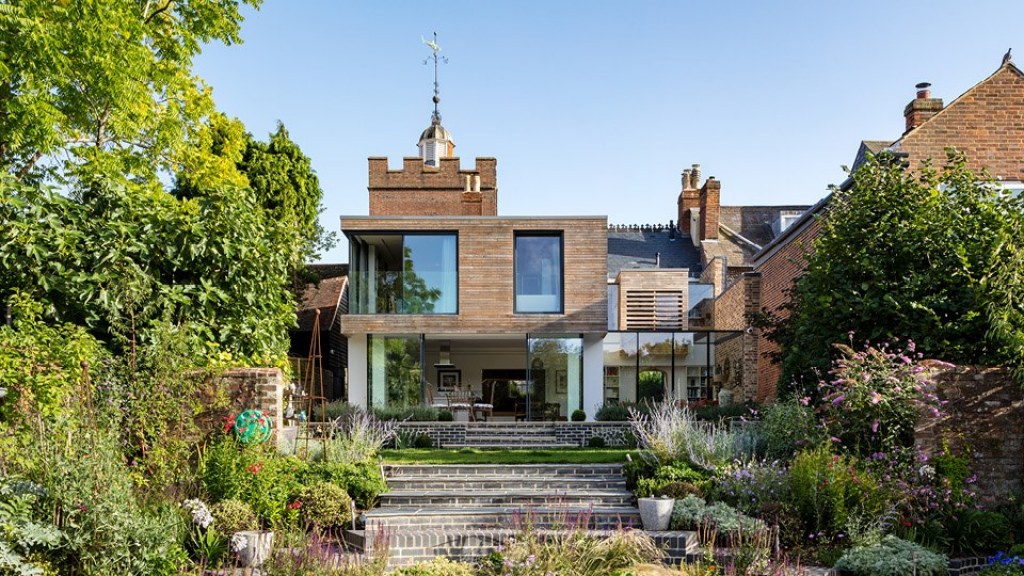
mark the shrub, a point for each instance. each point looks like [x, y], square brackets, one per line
[787, 427]
[233, 515]
[439, 566]
[333, 411]
[417, 413]
[693, 513]
[672, 434]
[358, 437]
[637, 468]
[828, 490]
[975, 532]
[573, 552]
[892, 557]
[752, 486]
[324, 505]
[362, 481]
[445, 416]
[578, 416]
[873, 398]
[596, 442]
[423, 441]
[613, 412]
[256, 475]
[719, 414]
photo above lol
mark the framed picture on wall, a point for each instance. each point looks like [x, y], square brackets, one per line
[448, 380]
[561, 382]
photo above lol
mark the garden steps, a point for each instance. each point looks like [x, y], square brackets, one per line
[510, 435]
[464, 512]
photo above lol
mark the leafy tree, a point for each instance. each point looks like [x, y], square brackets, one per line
[104, 86]
[910, 255]
[135, 258]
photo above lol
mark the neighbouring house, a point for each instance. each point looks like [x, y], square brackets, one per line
[986, 123]
[328, 298]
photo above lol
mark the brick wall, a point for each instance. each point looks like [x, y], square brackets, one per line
[736, 357]
[779, 270]
[986, 123]
[421, 190]
[252, 388]
[985, 414]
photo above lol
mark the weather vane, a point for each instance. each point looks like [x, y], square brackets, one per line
[432, 44]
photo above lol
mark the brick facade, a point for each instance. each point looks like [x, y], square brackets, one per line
[421, 190]
[485, 264]
[986, 123]
[710, 209]
[779, 269]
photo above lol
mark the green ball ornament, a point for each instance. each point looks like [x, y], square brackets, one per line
[253, 427]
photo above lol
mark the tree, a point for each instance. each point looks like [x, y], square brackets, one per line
[104, 86]
[908, 255]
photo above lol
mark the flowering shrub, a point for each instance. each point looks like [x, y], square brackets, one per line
[874, 398]
[672, 434]
[357, 437]
[785, 428]
[752, 486]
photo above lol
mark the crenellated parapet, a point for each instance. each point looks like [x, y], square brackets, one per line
[421, 190]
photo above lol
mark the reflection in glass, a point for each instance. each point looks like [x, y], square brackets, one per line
[394, 371]
[538, 271]
[556, 375]
[404, 274]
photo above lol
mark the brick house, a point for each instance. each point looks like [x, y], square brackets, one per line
[447, 299]
[986, 123]
[709, 254]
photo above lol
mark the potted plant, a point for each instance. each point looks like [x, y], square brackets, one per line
[656, 512]
[252, 547]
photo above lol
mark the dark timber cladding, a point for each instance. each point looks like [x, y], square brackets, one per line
[486, 282]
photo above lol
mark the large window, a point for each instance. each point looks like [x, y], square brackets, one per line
[395, 371]
[538, 271]
[404, 274]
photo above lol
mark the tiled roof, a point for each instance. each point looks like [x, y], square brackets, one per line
[633, 249]
[866, 146]
[325, 297]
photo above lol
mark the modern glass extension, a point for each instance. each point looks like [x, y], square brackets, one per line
[395, 273]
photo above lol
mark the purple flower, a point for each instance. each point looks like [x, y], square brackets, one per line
[838, 400]
[874, 427]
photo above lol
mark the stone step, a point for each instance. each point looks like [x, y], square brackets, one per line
[468, 545]
[516, 471]
[457, 499]
[593, 517]
[460, 483]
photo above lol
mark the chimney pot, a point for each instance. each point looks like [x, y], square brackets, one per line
[923, 90]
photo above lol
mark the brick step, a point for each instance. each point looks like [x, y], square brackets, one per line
[469, 545]
[497, 438]
[516, 471]
[510, 445]
[453, 499]
[592, 517]
[460, 483]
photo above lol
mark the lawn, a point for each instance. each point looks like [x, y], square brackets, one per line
[501, 456]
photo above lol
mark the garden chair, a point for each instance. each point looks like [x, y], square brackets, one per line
[483, 410]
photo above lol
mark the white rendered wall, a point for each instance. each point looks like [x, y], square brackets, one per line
[357, 370]
[593, 374]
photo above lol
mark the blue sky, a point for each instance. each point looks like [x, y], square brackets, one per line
[596, 107]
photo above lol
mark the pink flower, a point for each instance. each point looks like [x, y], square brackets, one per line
[875, 397]
[874, 427]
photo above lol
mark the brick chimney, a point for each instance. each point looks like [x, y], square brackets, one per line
[689, 196]
[921, 108]
[709, 209]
